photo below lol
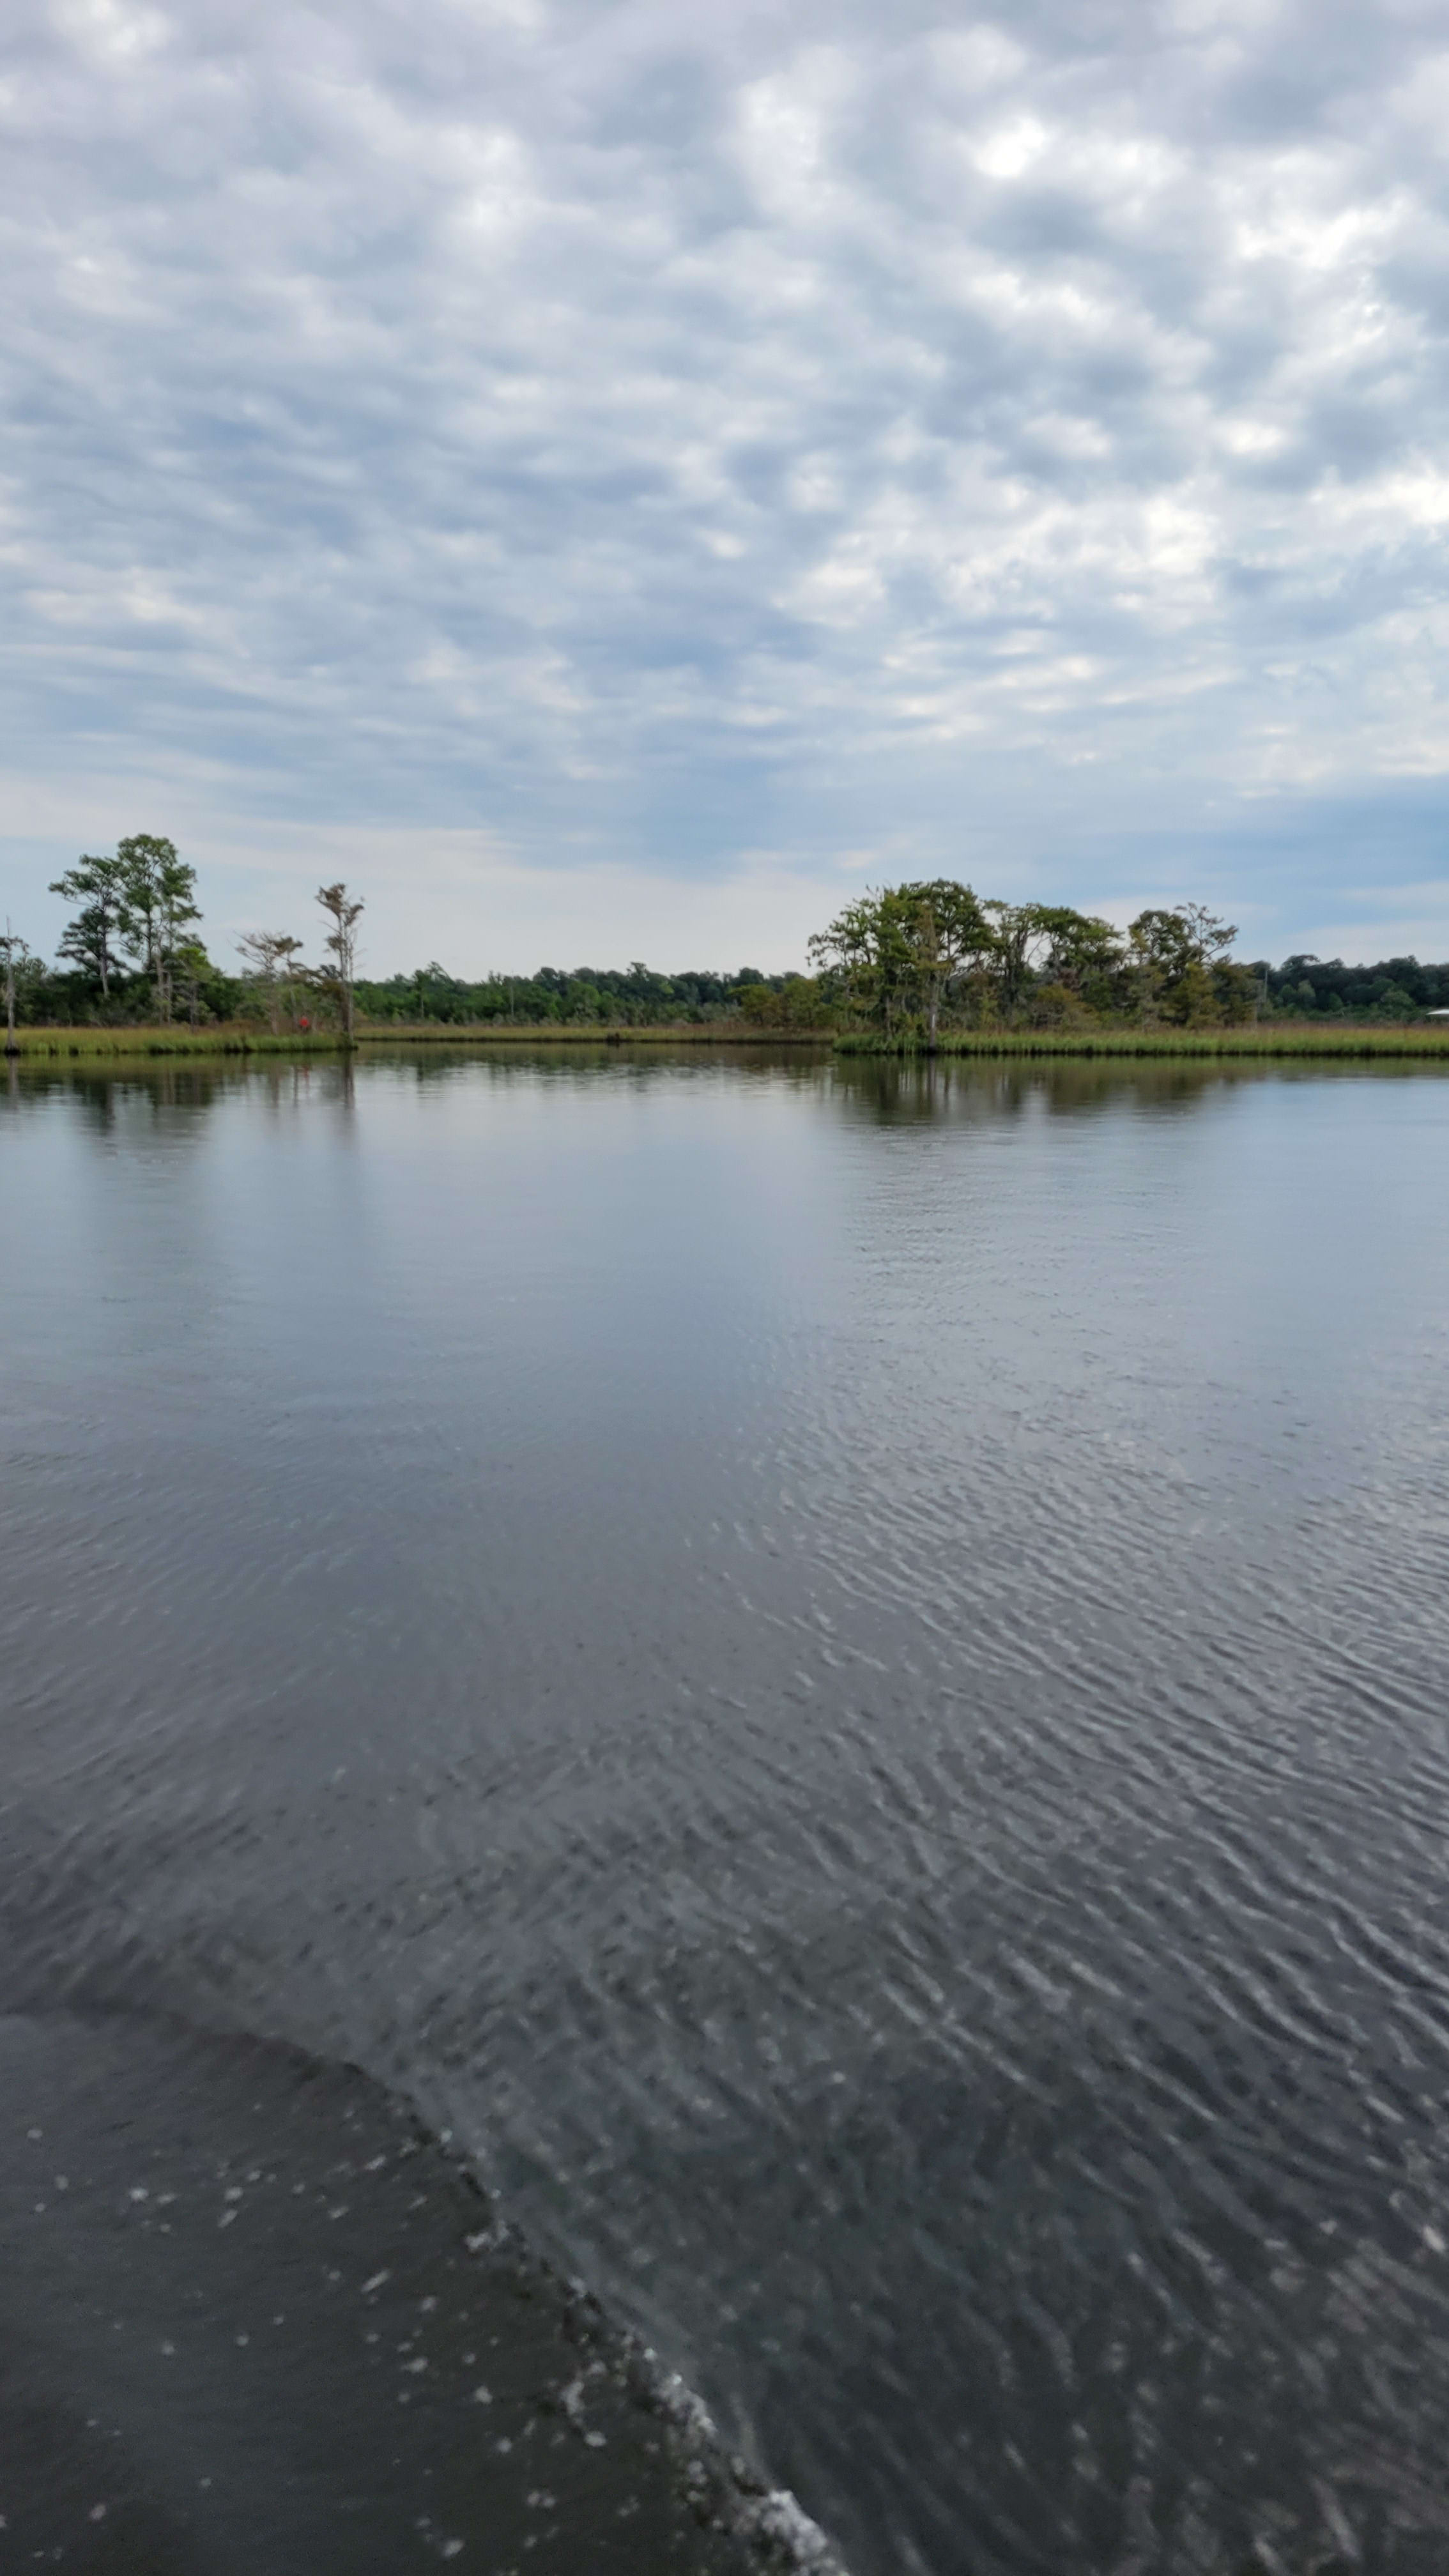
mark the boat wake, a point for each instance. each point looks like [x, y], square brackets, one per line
[253, 2313]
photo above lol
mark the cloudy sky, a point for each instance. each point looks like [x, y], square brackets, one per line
[610, 478]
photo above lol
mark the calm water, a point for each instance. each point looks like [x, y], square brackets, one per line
[845, 1669]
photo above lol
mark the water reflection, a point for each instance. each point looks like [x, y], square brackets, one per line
[900, 1090]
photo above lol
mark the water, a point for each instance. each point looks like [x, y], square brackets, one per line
[843, 1669]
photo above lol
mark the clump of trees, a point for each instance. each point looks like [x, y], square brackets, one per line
[279, 981]
[132, 952]
[272, 963]
[912, 960]
[131, 945]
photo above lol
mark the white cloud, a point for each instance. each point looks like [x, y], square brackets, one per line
[631, 442]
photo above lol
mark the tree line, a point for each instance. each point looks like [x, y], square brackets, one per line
[132, 951]
[1324, 988]
[911, 961]
[632, 996]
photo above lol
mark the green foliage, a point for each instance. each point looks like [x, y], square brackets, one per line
[159, 891]
[790, 1002]
[904, 953]
[1397, 988]
[202, 993]
[99, 887]
[915, 962]
[1175, 962]
[588, 996]
[922, 963]
[135, 911]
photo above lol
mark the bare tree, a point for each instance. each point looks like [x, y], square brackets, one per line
[11, 943]
[264, 951]
[289, 959]
[189, 963]
[343, 911]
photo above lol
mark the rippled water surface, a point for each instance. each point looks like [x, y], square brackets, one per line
[844, 1669]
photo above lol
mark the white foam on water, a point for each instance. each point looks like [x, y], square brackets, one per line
[769, 2519]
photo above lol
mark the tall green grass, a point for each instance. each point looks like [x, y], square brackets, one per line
[1299, 1039]
[41, 1043]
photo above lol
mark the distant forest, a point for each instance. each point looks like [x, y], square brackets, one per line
[618, 996]
[1319, 987]
[1301, 987]
[925, 956]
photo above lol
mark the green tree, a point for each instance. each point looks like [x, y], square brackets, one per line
[898, 952]
[1237, 994]
[944, 932]
[160, 899]
[850, 951]
[1054, 943]
[1021, 938]
[1085, 954]
[791, 1002]
[178, 912]
[101, 888]
[1174, 955]
[1395, 1004]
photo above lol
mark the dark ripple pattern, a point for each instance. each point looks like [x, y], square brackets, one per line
[842, 1669]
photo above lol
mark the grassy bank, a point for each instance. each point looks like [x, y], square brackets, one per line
[39, 1043]
[1299, 1039]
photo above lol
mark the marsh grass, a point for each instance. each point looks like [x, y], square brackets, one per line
[1299, 1039]
[36, 1044]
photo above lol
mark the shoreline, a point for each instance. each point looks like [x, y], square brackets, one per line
[1299, 1040]
[52, 1043]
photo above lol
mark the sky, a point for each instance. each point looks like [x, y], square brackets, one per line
[614, 480]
